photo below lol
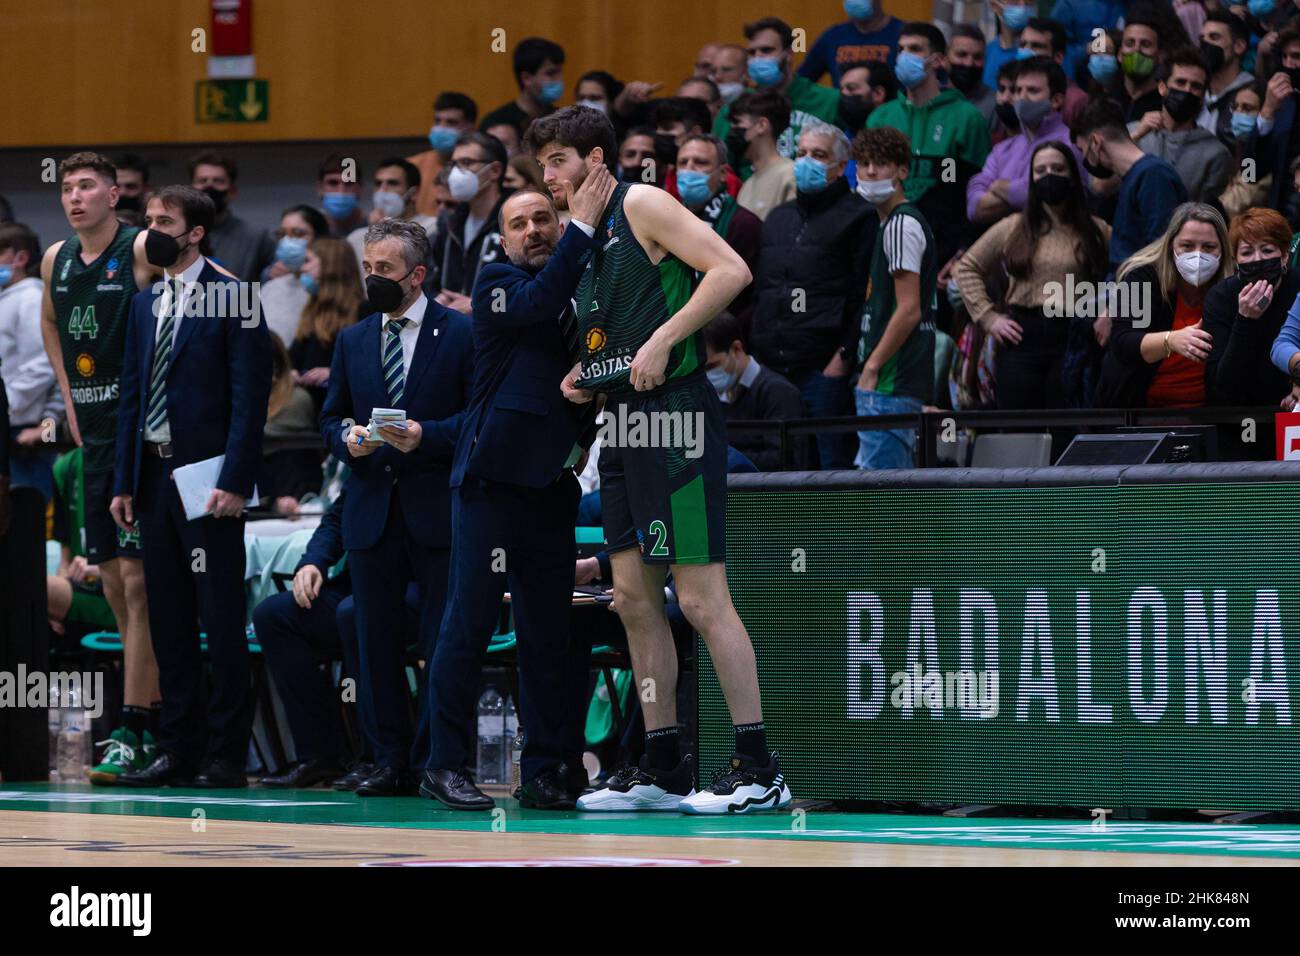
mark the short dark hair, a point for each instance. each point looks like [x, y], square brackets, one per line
[1186, 56]
[882, 74]
[1235, 24]
[333, 163]
[522, 191]
[19, 238]
[933, 35]
[969, 31]
[408, 169]
[765, 104]
[1142, 18]
[883, 144]
[97, 162]
[1009, 70]
[1104, 116]
[313, 217]
[495, 149]
[450, 100]
[196, 206]
[210, 158]
[1285, 37]
[723, 329]
[134, 162]
[531, 52]
[1045, 65]
[714, 93]
[577, 126]
[1053, 28]
[718, 145]
[684, 109]
[611, 86]
[770, 23]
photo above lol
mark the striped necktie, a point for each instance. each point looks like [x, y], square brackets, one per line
[394, 377]
[156, 416]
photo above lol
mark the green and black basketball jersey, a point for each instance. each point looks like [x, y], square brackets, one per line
[904, 243]
[623, 298]
[90, 308]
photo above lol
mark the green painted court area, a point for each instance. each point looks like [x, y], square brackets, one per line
[326, 807]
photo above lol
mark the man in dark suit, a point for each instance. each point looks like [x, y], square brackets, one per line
[196, 377]
[415, 355]
[514, 507]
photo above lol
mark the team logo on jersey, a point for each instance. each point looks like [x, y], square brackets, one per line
[110, 269]
[85, 365]
[67, 264]
[595, 340]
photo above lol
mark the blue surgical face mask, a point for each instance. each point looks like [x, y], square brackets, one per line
[809, 175]
[1024, 53]
[693, 187]
[291, 251]
[1260, 8]
[1016, 18]
[1103, 67]
[6, 275]
[859, 9]
[910, 70]
[443, 138]
[339, 205]
[1243, 124]
[721, 380]
[764, 70]
[551, 91]
[309, 283]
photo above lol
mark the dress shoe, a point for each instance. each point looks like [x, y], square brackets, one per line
[353, 778]
[552, 789]
[220, 774]
[164, 771]
[455, 790]
[303, 773]
[389, 782]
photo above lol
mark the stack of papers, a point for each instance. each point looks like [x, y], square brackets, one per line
[381, 417]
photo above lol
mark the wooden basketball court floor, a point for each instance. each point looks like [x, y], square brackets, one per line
[74, 825]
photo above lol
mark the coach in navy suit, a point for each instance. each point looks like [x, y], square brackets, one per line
[416, 355]
[196, 377]
[516, 500]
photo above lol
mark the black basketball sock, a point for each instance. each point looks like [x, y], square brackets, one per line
[136, 720]
[155, 718]
[751, 742]
[663, 748]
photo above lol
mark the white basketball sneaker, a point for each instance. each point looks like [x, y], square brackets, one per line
[743, 787]
[642, 788]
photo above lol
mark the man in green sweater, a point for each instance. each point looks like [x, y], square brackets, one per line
[771, 67]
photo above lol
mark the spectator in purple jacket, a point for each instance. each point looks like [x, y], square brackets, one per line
[1002, 186]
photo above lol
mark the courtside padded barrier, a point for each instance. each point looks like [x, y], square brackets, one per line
[24, 637]
[1082, 637]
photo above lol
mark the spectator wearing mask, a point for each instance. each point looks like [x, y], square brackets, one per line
[966, 69]
[453, 114]
[1156, 357]
[702, 188]
[597, 89]
[771, 67]
[748, 391]
[1245, 189]
[338, 189]
[1139, 55]
[1203, 163]
[539, 73]
[396, 185]
[1012, 17]
[863, 89]
[284, 292]
[811, 283]
[730, 70]
[1278, 142]
[469, 238]
[1105, 79]
[1005, 124]
[1245, 313]
[1052, 237]
[759, 119]
[1046, 37]
[35, 401]
[896, 348]
[244, 250]
[1149, 188]
[132, 182]
[332, 278]
[1082, 19]
[949, 137]
[704, 60]
[1002, 186]
[673, 119]
[637, 159]
[1224, 41]
[870, 35]
[705, 90]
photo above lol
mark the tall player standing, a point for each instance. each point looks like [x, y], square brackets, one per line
[663, 506]
[89, 281]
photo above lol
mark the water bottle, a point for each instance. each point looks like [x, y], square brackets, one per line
[74, 739]
[516, 752]
[508, 751]
[54, 721]
[491, 737]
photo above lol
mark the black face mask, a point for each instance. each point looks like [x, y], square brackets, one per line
[1268, 269]
[666, 148]
[1006, 112]
[1214, 55]
[737, 144]
[854, 111]
[1182, 106]
[965, 78]
[162, 250]
[218, 197]
[128, 204]
[1097, 171]
[385, 294]
[1294, 73]
[630, 174]
[1053, 188]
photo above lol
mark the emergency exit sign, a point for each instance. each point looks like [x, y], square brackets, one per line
[232, 101]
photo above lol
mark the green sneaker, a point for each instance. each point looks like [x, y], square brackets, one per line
[122, 752]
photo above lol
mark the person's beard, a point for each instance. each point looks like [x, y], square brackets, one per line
[537, 260]
[561, 200]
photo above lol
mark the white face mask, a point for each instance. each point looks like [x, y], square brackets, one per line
[729, 91]
[462, 184]
[875, 191]
[594, 104]
[1198, 268]
[388, 203]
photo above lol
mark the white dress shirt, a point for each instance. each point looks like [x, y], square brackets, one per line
[409, 335]
[190, 278]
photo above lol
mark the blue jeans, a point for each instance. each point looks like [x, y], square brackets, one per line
[827, 398]
[886, 448]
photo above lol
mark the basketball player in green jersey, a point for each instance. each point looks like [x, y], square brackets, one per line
[641, 318]
[89, 281]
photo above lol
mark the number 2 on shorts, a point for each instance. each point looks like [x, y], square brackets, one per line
[660, 548]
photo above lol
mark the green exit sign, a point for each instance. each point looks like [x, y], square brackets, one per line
[232, 101]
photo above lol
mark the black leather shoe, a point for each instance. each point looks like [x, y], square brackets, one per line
[354, 777]
[389, 782]
[455, 790]
[552, 789]
[220, 774]
[165, 771]
[304, 773]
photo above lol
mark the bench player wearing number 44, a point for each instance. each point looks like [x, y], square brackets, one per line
[641, 321]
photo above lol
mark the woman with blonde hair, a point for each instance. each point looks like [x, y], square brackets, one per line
[1156, 354]
[331, 276]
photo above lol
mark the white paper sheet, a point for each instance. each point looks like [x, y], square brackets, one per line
[195, 484]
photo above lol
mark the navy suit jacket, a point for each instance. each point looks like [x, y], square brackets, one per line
[1271, 152]
[218, 385]
[436, 392]
[520, 428]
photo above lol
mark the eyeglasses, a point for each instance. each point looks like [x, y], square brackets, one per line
[467, 163]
